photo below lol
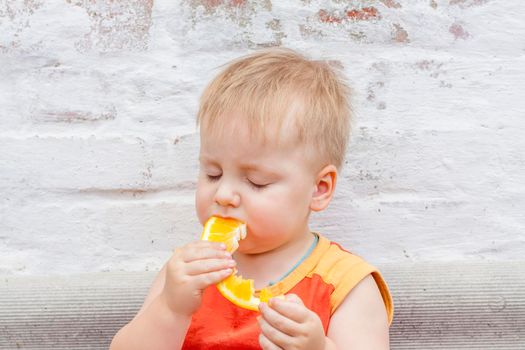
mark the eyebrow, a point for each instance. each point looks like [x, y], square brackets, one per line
[245, 166]
[255, 167]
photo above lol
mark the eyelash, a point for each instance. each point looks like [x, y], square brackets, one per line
[213, 178]
[257, 187]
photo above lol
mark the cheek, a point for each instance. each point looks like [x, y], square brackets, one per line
[202, 203]
[279, 211]
[291, 207]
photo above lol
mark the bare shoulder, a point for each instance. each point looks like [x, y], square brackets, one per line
[361, 321]
[156, 288]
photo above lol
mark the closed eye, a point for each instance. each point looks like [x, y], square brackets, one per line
[257, 186]
[213, 177]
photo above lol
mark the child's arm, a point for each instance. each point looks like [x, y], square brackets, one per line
[174, 296]
[155, 328]
[359, 323]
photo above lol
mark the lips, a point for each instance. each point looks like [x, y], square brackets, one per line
[227, 217]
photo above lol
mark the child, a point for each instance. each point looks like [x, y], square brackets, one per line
[274, 128]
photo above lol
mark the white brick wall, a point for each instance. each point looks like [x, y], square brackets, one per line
[97, 133]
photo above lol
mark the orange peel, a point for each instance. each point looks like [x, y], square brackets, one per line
[236, 289]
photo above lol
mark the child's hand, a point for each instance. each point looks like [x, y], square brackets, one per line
[190, 270]
[288, 324]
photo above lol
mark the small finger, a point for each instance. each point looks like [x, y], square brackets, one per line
[278, 321]
[207, 279]
[206, 244]
[266, 344]
[294, 298]
[198, 267]
[204, 250]
[201, 243]
[292, 310]
[275, 336]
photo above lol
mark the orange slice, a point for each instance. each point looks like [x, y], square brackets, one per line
[234, 288]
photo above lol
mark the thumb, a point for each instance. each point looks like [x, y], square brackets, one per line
[294, 299]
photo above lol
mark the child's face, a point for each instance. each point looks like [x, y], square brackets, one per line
[269, 187]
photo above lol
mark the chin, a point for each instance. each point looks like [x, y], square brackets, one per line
[242, 249]
[247, 249]
[253, 250]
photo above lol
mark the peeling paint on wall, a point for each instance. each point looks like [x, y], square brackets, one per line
[14, 21]
[253, 24]
[70, 116]
[391, 4]
[243, 23]
[240, 12]
[468, 3]
[457, 30]
[115, 25]
[399, 34]
[352, 20]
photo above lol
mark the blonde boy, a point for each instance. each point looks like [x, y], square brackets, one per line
[274, 128]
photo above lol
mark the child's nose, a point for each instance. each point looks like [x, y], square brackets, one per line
[226, 196]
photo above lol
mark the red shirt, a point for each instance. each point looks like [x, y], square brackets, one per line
[322, 281]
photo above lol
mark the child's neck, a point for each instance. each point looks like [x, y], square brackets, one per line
[270, 266]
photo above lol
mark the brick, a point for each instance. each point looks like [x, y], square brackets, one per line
[73, 234]
[100, 163]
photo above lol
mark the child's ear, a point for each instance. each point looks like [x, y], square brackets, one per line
[324, 188]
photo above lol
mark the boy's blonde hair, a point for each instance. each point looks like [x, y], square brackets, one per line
[275, 86]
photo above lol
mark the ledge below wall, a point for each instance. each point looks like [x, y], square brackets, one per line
[437, 306]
